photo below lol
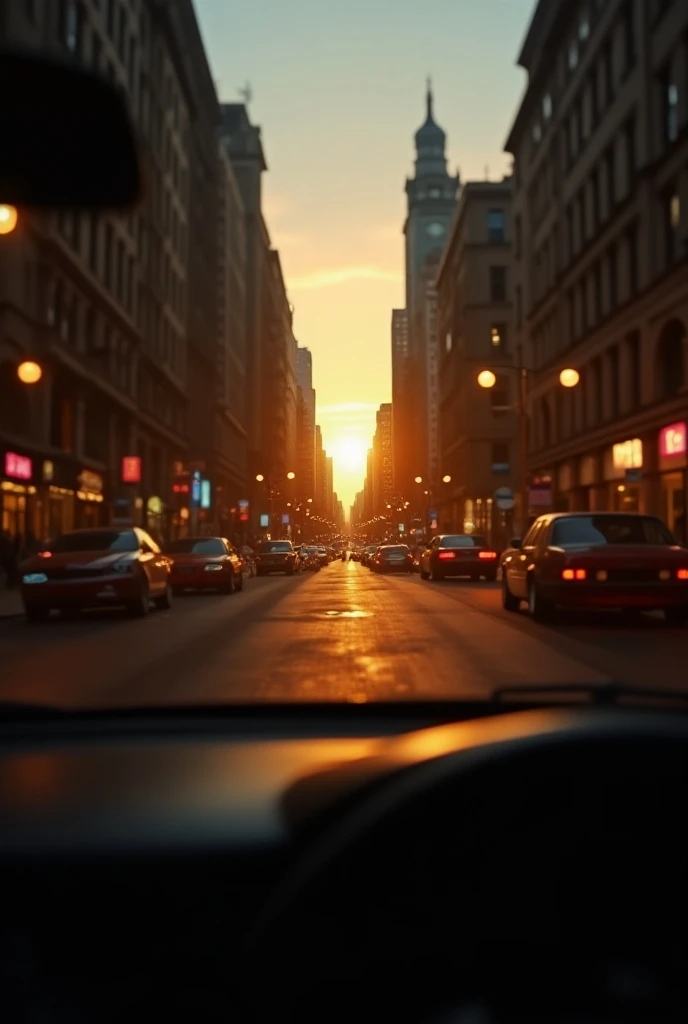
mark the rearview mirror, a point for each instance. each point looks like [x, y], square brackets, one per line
[515, 542]
[67, 138]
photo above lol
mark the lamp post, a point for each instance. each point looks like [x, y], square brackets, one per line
[430, 492]
[568, 378]
[272, 490]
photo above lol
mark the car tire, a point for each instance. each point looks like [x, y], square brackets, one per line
[230, 585]
[239, 582]
[509, 602]
[140, 606]
[164, 602]
[540, 608]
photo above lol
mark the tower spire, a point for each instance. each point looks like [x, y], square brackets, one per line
[428, 98]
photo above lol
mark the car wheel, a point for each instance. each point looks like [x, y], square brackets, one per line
[140, 606]
[509, 602]
[239, 582]
[540, 609]
[164, 602]
[230, 585]
[436, 576]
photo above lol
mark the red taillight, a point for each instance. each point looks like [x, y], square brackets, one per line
[447, 554]
[487, 554]
[682, 574]
[573, 574]
[45, 554]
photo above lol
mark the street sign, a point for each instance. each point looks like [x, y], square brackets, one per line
[504, 499]
[633, 476]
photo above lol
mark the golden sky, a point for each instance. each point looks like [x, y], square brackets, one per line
[339, 90]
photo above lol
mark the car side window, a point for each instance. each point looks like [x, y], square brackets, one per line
[529, 539]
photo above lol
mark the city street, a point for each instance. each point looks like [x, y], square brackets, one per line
[342, 634]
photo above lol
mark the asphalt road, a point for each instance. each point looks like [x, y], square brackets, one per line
[342, 634]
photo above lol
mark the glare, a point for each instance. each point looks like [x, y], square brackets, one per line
[259, 477]
[486, 379]
[446, 479]
[350, 454]
[8, 219]
[290, 476]
[29, 372]
[568, 378]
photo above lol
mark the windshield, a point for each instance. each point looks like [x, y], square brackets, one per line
[195, 546]
[95, 540]
[401, 316]
[463, 541]
[609, 530]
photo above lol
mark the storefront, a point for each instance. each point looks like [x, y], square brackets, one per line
[623, 467]
[17, 494]
[673, 466]
[58, 498]
[90, 499]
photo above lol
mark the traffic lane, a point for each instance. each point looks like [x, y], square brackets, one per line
[641, 652]
[88, 660]
[350, 635]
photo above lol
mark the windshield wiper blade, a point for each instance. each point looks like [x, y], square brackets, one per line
[599, 694]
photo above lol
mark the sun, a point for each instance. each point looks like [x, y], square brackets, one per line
[350, 454]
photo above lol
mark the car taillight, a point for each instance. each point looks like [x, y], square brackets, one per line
[574, 574]
[487, 554]
[682, 574]
[447, 554]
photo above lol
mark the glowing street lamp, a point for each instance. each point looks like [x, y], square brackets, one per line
[487, 379]
[29, 372]
[8, 219]
[290, 476]
[446, 479]
[259, 477]
[569, 377]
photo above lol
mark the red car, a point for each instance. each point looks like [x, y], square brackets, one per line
[96, 569]
[205, 563]
[458, 554]
[618, 560]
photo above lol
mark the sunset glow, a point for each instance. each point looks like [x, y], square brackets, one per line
[350, 454]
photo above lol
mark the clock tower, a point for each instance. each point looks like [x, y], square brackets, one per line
[432, 195]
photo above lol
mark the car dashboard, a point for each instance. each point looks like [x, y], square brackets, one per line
[322, 866]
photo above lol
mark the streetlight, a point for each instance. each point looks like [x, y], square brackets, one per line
[29, 372]
[568, 378]
[8, 219]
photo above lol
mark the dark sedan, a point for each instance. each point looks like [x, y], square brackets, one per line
[458, 554]
[276, 556]
[393, 558]
[205, 563]
[613, 560]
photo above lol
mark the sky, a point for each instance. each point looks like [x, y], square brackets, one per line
[338, 88]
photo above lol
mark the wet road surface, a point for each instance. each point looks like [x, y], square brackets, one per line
[341, 634]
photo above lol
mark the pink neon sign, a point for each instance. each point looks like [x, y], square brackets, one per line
[673, 440]
[17, 466]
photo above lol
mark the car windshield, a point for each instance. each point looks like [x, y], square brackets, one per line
[95, 540]
[607, 529]
[197, 546]
[463, 540]
[365, 328]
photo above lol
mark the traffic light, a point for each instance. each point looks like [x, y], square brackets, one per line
[181, 489]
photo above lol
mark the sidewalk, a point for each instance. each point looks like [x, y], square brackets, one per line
[10, 603]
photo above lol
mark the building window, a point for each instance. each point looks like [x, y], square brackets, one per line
[547, 106]
[499, 395]
[498, 284]
[597, 292]
[613, 279]
[519, 306]
[633, 349]
[498, 336]
[496, 223]
[630, 152]
[573, 54]
[537, 132]
[632, 240]
[628, 37]
[613, 365]
[584, 26]
[610, 172]
[671, 111]
[672, 221]
[501, 453]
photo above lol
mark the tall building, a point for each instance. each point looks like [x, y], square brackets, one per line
[400, 357]
[271, 399]
[383, 476]
[601, 226]
[431, 204]
[479, 436]
[230, 420]
[306, 420]
[320, 497]
[329, 488]
[100, 300]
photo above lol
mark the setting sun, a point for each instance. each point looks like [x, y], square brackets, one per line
[350, 454]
